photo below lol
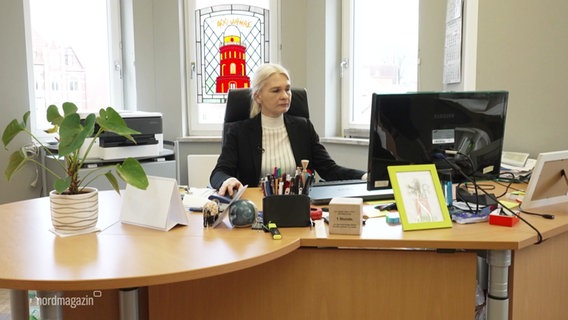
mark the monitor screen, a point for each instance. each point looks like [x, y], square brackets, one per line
[444, 128]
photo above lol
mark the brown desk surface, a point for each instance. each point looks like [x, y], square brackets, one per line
[123, 256]
[377, 233]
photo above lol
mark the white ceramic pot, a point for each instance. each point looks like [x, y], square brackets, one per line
[74, 212]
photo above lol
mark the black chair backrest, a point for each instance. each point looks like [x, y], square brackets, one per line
[239, 100]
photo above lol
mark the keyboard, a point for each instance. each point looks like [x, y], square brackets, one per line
[322, 192]
[338, 182]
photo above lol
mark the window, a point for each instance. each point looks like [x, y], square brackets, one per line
[380, 54]
[76, 55]
[226, 41]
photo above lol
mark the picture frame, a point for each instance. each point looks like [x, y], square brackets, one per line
[548, 184]
[419, 197]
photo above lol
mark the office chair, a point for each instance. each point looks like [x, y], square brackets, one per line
[239, 100]
[199, 167]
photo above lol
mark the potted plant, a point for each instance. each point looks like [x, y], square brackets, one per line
[72, 132]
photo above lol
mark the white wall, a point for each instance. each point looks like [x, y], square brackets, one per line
[158, 61]
[14, 96]
[522, 48]
[431, 44]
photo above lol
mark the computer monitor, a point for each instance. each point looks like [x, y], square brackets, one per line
[445, 128]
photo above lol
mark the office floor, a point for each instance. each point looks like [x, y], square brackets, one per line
[5, 304]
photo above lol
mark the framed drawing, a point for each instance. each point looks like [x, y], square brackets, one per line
[549, 181]
[419, 197]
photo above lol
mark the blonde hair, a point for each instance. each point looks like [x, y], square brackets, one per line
[262, 73]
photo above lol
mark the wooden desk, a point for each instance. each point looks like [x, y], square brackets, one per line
[196, 273]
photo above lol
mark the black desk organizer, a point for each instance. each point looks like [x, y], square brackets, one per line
[291, 210]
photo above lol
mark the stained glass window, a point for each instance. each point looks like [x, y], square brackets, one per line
[231, 40]
[222, 31]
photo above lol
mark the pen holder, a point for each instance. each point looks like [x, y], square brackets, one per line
[286, 210]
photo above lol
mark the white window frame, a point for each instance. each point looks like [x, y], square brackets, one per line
[115, 53]
[347, 70]
[190, 85]
[115, 56]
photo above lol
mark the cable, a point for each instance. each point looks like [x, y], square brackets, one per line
[456, 167]
[508, 186]
[459, 196]
[544, 215]
[510, 182]
[439, 154]
[521, 179]
[31, 151]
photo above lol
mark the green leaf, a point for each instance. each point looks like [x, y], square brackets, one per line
[132, 173]
[72, 133]
[15, 163]
[69, 108]
[14, 128]
[61, 185]
[53, 115]
[110, 120]
[113, 181]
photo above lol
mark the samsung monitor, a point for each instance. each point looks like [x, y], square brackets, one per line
[448, 129]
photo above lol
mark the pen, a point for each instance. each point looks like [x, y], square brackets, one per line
[297, 184]
[287, 185]
[309, 181]
[196, 209]
[261, 184]
[388, 206]
[267, 186]
[274, 231]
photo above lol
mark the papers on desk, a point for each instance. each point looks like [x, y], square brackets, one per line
[196, 197]
[369, 212]
[520, 173]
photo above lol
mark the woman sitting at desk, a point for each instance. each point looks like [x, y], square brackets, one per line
[271, 138]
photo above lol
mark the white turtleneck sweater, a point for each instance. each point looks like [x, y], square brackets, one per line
[277, 151]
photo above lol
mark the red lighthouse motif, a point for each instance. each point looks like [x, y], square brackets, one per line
[233, 73]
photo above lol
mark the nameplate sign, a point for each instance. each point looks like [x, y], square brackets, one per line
[158, 207]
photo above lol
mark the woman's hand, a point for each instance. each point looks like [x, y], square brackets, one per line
[229, 186]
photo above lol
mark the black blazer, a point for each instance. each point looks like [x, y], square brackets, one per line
[241, 154]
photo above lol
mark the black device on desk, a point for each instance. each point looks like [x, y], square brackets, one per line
[421, 127]
[323, 192]
[220, 198]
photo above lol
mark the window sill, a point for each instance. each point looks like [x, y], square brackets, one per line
[199, 139]
[330, 140]
[345, 141]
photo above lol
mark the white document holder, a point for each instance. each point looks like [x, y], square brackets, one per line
[158, 207]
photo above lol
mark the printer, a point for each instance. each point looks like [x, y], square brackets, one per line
[149, 142]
